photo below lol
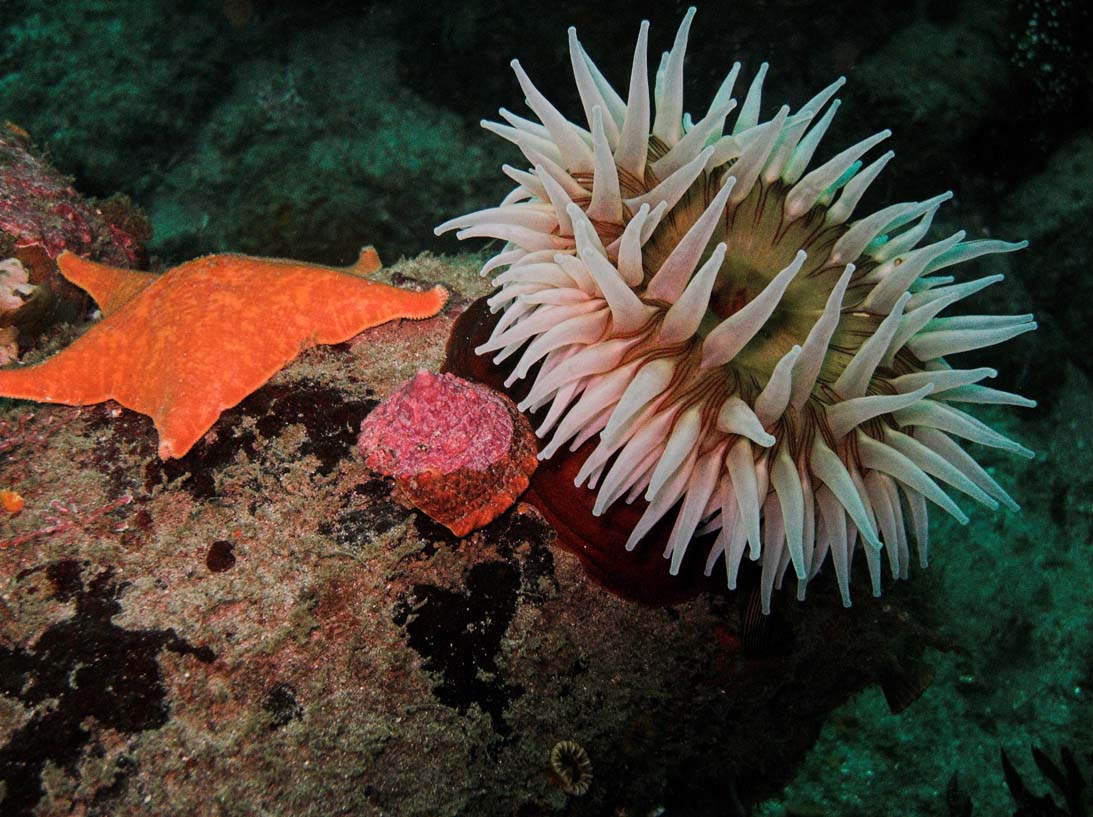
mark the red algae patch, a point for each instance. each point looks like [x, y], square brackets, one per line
[459, 451]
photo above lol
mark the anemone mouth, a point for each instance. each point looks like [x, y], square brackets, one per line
[749, 358]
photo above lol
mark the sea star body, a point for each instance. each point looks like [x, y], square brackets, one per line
[183, 346]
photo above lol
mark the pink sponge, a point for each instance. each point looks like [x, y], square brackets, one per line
[459, 451]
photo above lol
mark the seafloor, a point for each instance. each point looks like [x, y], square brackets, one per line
[261, 628]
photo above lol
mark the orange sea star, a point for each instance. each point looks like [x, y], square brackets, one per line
[183, 346]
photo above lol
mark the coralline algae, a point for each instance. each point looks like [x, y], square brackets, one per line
[459, 451]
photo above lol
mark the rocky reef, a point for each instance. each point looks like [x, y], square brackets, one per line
[261, 623]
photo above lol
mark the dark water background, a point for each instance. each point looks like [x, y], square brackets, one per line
[309, 129]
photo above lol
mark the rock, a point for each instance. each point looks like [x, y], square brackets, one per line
[1055, 209]
[41, 215]
[459, 451]
[355, 653]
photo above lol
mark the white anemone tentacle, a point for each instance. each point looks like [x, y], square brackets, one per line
[751, 356]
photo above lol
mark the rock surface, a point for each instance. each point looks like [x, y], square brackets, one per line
[41, 216]
[259, 627]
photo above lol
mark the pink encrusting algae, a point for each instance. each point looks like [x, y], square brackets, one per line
[459, 451]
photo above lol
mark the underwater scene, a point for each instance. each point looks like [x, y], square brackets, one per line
[511, 409]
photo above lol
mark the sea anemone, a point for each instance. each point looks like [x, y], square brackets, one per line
[744, 353]
[572, 767]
